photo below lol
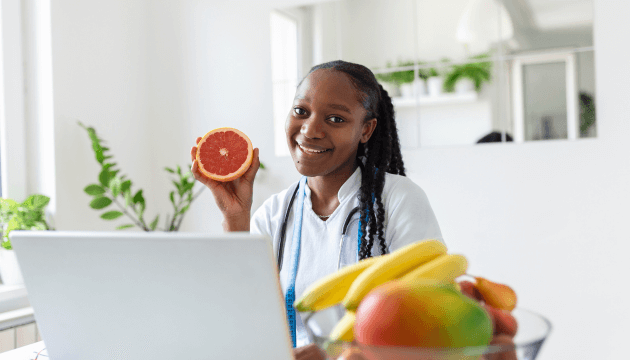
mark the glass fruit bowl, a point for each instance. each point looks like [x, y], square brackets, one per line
[533, 329]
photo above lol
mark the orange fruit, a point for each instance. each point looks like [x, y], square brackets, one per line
[224, 154]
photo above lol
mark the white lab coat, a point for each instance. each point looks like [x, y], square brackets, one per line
[408, 218]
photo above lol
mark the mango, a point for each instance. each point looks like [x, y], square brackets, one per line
[421, 314]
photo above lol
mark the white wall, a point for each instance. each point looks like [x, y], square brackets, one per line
[100, 79]
[151, 76]
[547, 218]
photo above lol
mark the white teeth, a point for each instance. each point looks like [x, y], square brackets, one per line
[311, 151]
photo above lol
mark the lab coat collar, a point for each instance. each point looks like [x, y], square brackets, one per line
[348, 189]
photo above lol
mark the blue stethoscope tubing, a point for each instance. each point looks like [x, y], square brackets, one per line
[295, 250]
[283, 230]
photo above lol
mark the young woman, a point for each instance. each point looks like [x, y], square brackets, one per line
[353, 201]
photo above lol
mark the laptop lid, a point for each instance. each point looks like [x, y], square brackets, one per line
[133, 295]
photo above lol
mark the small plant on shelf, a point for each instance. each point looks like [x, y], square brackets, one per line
[398, 77]
[424, 73]
[479, 72]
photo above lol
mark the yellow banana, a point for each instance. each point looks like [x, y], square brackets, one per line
[392, 267]
[443, 268]
[344, 330]
[331, 289]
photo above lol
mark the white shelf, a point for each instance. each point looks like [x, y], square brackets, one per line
[443, 99]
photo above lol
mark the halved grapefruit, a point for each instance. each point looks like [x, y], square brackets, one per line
[224, 154]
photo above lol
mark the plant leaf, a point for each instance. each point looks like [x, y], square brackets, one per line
[28, 203]
[126, 226]
[94, 189]
[141, 211]
[13, 224]
[39, 201]
[8, 204]
[169, 170]
[172, 196]
[125, 186]
[154, 223]
[114, 185]
[96, 145]
[184, 209]
[179, 187]
[111, 215]
[39, 226]
[100, 202]
[104, 177]
[138, 198]
[128, 198]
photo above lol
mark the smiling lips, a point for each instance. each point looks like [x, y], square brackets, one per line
[312, 149]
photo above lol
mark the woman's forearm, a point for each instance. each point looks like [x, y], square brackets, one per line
[236, 222]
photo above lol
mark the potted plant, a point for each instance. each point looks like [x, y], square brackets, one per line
[465, 77]
[389, 81]
[28, 215]
[423, 75]
[435, 81]
[405, 79]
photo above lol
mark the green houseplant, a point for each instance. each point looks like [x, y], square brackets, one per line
[115, 189]
[405, 79]
[478, 72]
[435, 77]
[27, 215]
[403, 76]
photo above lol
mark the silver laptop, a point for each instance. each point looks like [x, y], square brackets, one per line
[132, 295]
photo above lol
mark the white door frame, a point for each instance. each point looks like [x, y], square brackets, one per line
[571, 91]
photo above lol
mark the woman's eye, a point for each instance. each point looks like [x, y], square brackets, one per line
[299, 111]
[336, 120]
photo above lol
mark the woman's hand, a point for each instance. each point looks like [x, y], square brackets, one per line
[308, 352]
[234, 198]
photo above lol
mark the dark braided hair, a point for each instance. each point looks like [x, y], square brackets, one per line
[379, 155]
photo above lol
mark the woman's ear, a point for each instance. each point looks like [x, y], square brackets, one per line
[368, 129]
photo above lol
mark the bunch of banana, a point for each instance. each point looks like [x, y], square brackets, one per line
[330, 290]
[425, 259]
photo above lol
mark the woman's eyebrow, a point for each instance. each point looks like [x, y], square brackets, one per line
[339, 107]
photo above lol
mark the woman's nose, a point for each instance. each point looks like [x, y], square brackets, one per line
[312, 128]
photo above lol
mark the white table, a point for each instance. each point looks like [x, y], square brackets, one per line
[28, 352]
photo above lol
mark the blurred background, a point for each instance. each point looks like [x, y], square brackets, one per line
[542, 206]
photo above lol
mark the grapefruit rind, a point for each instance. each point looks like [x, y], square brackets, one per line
[234, 175]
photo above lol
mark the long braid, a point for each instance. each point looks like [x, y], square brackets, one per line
[396, 165]
[380, 155]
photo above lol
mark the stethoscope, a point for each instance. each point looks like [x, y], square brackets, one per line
[289, 298]
[283, 231]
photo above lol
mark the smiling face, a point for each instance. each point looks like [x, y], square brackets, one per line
[326, 125]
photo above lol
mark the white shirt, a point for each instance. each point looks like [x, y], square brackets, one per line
[408, 218]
